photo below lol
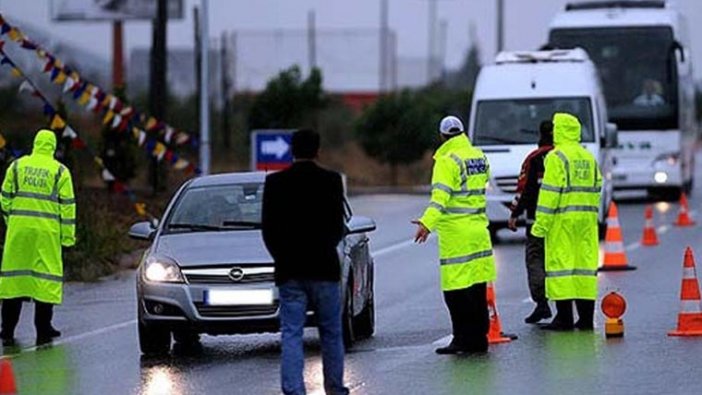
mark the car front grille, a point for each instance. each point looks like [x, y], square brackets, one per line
[250, 275]
[235, 311]
[507, 184]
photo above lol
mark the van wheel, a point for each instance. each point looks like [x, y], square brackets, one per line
[154, 340]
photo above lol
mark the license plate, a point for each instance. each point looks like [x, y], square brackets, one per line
[238, 297]
[619, 177]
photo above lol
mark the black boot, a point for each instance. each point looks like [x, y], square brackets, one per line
[451, 349]
[586, 312]
[564, 317]
[541, 312]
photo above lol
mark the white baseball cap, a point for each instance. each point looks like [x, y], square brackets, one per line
[450, 126]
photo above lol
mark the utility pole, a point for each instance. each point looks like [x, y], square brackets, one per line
[500, 25]
[204, 88]
[198, 59]
[226, 85]
[383, 56]
[311, 40]
[432, 41]
[158, 88]
[117, 55]
[441, 56]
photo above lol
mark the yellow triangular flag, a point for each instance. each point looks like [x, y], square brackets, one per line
[57, 122]
[16, 72]
[159, 150]
[140, 209]
[84, 98]
[60, 78]
[108, 117]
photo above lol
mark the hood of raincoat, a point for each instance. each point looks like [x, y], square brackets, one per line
[44, 143]
[566, 129]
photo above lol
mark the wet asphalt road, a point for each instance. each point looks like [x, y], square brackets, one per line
[98, 353]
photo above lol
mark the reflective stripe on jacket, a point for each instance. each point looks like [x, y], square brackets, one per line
[39, 209]
[566, 215]
[457, 213]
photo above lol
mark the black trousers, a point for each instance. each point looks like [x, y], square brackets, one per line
[11, 309]
[469, 317]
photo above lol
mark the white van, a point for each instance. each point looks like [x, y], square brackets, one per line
[514, 95]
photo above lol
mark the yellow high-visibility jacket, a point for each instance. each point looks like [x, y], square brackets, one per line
[566, 214]
[457, 213]
[39, 209]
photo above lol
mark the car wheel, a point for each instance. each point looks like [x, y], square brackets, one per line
[154, 340]
[365, 323]
[186, 337]
[347, 318]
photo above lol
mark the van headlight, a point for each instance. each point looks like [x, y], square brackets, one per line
[162, 271]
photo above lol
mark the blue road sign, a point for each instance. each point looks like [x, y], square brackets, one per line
[270, 149]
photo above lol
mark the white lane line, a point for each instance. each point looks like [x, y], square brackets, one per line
[71, 339]
[392, 248]
[442, 341]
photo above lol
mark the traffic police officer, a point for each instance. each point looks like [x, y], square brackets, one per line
[39, 209]
[566, 217]
[457, 213]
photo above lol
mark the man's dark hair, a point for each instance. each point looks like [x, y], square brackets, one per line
[305, 144]
[546, 133]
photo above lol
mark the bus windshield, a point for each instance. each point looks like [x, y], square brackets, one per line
[517, 121]
[638, 72]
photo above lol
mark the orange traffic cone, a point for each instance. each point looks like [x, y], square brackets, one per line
[7, 378]
[614, 256]
[690, 316]
[649, 234]
[684, 215]
[495, 334]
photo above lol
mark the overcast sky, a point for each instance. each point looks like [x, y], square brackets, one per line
[526, 22]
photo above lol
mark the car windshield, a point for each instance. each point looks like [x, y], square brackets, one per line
[517, 121]
[637, 69]
[221, 207]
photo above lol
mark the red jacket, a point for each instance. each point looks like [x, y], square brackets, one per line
[529, 183]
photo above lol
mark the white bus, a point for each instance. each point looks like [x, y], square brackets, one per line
[641, 50]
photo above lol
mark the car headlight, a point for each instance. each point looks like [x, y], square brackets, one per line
[670, 158]
[162, 271]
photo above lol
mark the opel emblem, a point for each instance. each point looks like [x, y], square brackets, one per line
[236, 274]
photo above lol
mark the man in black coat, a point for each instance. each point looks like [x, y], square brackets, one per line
[303, 223]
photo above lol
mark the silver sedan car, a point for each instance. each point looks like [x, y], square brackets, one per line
[208, 271]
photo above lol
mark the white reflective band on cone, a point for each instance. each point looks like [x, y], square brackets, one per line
[613, 222]
[689, 273]
[690, 306]
[614, 247]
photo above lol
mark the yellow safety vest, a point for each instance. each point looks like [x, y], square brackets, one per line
[39, 209]
[457, 213]
[566, 214]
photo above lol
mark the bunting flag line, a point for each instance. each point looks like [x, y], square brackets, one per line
[71, 81]
[58, 123]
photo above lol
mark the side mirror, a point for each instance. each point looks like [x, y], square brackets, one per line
[142, 231]
[611, 135]
[360, 225]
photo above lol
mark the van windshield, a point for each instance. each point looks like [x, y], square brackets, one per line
[517, 121]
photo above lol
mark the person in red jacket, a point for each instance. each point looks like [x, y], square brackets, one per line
[528, 186]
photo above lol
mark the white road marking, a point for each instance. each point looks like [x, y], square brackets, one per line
[392, 248]
[444, 340]
[71, 339]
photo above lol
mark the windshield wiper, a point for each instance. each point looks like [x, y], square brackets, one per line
[195, 227]
[243, 224]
